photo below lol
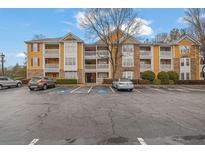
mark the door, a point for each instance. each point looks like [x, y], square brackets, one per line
[185, 73]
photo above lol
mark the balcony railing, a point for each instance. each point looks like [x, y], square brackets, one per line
[96, 67]
[145, 54]
[51, 67]
[165, 67]
[102, 53]
[145, 66]
[51, 53]
[90, 54]
[166, 54]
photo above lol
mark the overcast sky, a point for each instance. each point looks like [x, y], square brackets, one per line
[18, 25]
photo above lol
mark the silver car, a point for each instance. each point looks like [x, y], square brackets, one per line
[123, 84]
[8, 82]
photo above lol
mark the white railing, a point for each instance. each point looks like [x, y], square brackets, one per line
[51, 53]
[165, 67]
[90, 66]
[51, 67]
[102, 66]
[102, 53]
[166, 54]
[145, 66]
[90, 54]
[145, 54]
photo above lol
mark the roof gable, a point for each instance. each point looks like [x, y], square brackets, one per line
[187, 37]
[71, 37]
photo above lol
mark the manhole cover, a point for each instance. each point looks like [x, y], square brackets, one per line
[117, 140]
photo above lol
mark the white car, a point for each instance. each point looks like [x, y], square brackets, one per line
[123, 84]
[8, 82]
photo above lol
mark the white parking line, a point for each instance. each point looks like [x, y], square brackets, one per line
[137, 90]
[112, 89]
[90, 89]
[141, 140]
[75, 89]
[34, 141]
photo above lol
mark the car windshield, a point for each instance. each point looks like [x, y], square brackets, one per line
[35, 78]
[125, 80]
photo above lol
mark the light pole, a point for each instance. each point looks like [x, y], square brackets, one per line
[2, 56]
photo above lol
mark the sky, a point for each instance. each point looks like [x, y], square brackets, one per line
[19, 25]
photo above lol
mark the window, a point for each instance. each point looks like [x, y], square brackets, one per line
[187, 76]
[184, 49]
[35, 62]
[35, 47]
[71, 75]
[127, 74]
[70, 61]
[102, 75]
[182, 62]
[182, 76]
[187, 62]
[128, 56]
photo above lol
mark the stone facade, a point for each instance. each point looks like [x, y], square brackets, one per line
[135, 69]
[81, 77]
[34, 73]
[177, 65]
[194, 63]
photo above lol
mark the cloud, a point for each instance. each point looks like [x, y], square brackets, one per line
[145, 27]
[20, 55]
[79, 18]
[143, 31]
[68, 23]
[181, 20]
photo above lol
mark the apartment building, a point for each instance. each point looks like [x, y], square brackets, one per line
[69, 57]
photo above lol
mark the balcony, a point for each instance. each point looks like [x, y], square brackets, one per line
[144, 67]
[102, 67]
[90, 54]
[51, 53]
[51, 67]
[90, 67]
[145, 54]
[165, 67]
[102, 54]
[165, 54]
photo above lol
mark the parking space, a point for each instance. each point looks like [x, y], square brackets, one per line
[102, 115]
[102, 90]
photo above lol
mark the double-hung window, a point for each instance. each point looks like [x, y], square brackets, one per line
[35, 47]
[70, 61]
[127, 75]
[128, 56]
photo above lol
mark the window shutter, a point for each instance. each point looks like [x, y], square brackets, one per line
[38, 62]
[38, 46]
[32, 47]
[31, 61]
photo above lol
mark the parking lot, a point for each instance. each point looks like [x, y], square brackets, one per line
[102, 115]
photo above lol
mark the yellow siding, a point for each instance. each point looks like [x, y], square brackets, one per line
[32, 54]
[156, 59]
[80, 56]
[61, 56]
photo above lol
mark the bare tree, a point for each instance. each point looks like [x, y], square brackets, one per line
[113, 27]
[195, 17]
[38, 36]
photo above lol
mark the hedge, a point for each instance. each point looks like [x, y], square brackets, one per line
[164, 77]
[148, 75]
[156, 82]
[191, 82]
[173, 76]
[66, 81]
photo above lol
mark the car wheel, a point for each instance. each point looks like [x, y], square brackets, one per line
[31, 89]
[1, 87]
[18, 85]
[54, 86]
[45, 87]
